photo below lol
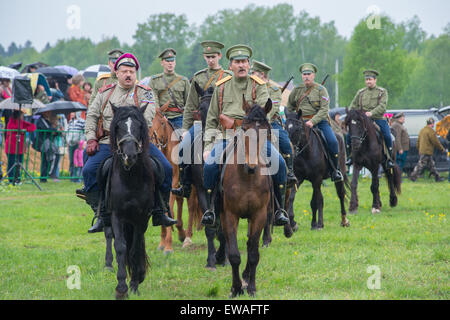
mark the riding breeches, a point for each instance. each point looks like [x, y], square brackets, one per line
[211, 167]
[283, 138]
[185, 145]
[385, 131]
[93, 162]
[332, 142]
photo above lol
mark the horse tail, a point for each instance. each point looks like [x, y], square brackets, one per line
[397, 179]
[136, 256]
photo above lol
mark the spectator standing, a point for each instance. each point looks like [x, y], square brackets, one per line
[57, 94]
[87, 88]
[44, 143]
[401, 138]
[78, 160]
[74, 135]
[12, 153]
[426, 143]
[76, 92]
[5, 89]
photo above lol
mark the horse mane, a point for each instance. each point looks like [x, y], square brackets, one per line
[257, 113]
[360, 115]
[122, 114]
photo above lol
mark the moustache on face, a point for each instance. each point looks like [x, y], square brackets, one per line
[128, 78]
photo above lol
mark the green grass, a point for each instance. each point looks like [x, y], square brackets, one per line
[43, 233]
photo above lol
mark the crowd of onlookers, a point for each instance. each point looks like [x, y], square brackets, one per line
[51, 134]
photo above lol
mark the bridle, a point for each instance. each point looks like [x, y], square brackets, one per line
[362, 137]
[160, 143]
[124, 157]
[297, 146]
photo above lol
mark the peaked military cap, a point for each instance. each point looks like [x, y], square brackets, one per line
[261, 67]
[127, 59]
[115, 53]
[370, 73]
[308, 68]
[239, 51]
[168, 54]
[398, 115]
[430, 120]
[210, 47]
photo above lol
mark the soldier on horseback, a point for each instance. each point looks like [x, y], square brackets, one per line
[225, 112]
[99, 116]
[373, 99]
[205, 78]
[312, 98]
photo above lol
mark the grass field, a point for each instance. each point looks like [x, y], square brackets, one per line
[43, 233]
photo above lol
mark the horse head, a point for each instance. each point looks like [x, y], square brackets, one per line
[357, 123]
[296, 128]
[205, 98]
[129, 134]
[257, 131]
[160, 124]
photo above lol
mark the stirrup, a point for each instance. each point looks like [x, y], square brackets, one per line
[281, 218]
[207, 217]
[337, 176]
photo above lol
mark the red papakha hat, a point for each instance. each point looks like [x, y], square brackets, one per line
[127, 59]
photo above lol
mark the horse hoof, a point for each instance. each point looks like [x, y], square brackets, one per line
[168, 252]
[161, 247]
[294, 227]
[375, 211]
[288, 232]
[121, 295]
[244, 284]
[236, 292]
[187, 242]
[345, 224]
[353, 211]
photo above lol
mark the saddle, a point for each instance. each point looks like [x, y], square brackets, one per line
[325, 148]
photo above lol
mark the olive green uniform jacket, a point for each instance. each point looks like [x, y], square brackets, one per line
[373, 100]
[232, 101]
[180, 91]
[427, 141]
[315, 104]
[276, 96]
[205, 78]
[120, 97]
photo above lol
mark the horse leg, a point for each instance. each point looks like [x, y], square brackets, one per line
[162, 241]
[375, 188]
[138, 260]
[391, 175]
[353, 209]
[221, 254]
[109, 255]
[317, 206]
[120, 246]
[267, 237]
[210, 233]
[340, 190]
[179, 225]
[249, 275]
[292, 195]
[230, 226]
[168, 249]
[288, 230]
[192, 208]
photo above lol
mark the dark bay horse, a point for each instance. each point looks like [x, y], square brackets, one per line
[131, 196]
[161, 134]
[246, 194]
[310, 164]
[367, 151]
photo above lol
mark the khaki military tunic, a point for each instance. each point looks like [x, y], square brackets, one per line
[120, 97]
[373, 100]
[101, 82]
[276, 96]
[232, 101]
[180, 91]
[401, 136]
[427, 141]
[205, 78]
[315, 104]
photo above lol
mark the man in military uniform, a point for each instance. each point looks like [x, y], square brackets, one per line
[123, 93]
[170, 86]
[312, 98]
[426, 143]
[205, 78]
[373, 100]
[262, 71]
[107, 78]
[227, 101]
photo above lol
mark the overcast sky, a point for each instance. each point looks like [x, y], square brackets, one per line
[43, 21]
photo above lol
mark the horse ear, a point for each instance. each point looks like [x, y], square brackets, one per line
[268, 106]
[199, 90]
[299, 113]
[245, 106]
[113, 107]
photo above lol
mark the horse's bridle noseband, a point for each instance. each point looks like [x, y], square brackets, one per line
[126, 138]
[362, 137]
[299, 151]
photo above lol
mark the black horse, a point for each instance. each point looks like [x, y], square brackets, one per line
[367, 151]
[214, 257]
[310, 164]
[131, 196]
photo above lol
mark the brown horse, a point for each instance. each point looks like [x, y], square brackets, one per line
[162, 136]
[246, 195]
[367, 151]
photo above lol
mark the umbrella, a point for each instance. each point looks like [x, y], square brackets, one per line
[36, 79]
[68, 69]
[62, 107]
[9, 104]
[8, 73]
[15, 65]
[95, 71]
[53, 72]
[36, 65]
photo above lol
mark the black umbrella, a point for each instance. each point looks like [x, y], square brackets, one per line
[36, 65]
[53, 72]
[15, 65]
[62, 107]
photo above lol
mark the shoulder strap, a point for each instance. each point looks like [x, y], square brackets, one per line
[168, 86]
[304, 96]
[254, 91]
[212, 78]
[218, 83]
[222, 87]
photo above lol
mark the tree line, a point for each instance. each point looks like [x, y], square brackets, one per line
[414, 66]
